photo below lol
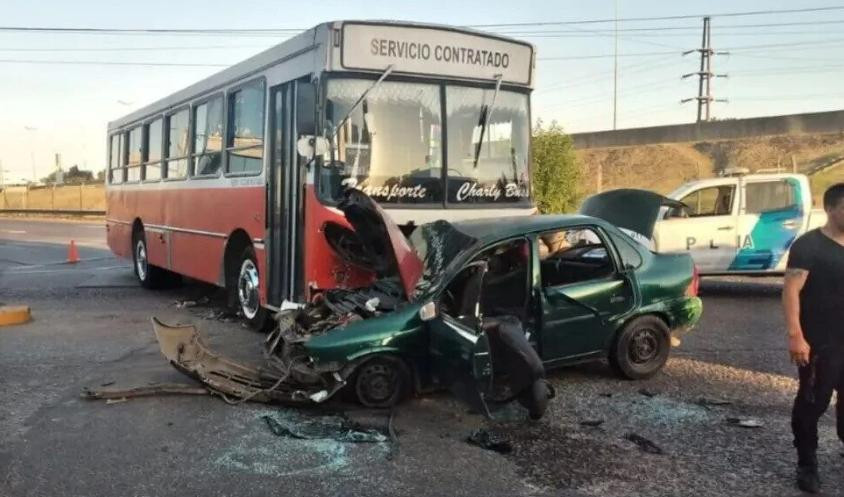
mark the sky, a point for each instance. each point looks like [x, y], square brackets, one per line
[51, 103]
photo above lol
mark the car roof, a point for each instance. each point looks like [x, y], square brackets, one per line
[491, 230]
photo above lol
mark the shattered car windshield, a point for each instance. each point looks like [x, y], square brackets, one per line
[438, 244]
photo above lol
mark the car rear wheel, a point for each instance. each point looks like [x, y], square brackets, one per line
[382, 382]
[247, 291]
[149, 276]
[641, 348]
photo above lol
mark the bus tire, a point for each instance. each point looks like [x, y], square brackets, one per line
[246, 291]
[149, 276]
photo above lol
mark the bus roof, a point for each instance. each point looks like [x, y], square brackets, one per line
[370, 46]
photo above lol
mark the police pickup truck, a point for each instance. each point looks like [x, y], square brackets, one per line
[738, 223]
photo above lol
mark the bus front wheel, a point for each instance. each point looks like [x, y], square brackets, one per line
[149, 276]
[247, 291]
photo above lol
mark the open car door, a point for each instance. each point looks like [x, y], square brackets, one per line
[485, 362]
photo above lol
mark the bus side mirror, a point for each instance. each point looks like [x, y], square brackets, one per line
[312, 146]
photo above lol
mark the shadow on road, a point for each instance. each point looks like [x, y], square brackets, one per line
[744, 287]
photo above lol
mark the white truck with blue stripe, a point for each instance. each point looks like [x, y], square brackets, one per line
[739, 223]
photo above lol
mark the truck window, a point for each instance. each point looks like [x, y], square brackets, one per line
[712, 201]
[769, 196]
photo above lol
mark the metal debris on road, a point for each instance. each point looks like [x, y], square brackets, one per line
[644, 444]
[145, 391]
[489, 440]
[592, 422]
[705, 402]
[745, 422]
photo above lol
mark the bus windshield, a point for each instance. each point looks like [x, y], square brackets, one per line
[391, 144]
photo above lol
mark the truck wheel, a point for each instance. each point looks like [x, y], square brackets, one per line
[382, 382]
[149, 276]
[641, 348]
[247, 291]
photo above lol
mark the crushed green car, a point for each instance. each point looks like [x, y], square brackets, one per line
[482, 308]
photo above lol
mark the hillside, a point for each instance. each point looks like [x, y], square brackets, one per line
[664, 167]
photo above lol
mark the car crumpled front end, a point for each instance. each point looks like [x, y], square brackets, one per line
[288, 373]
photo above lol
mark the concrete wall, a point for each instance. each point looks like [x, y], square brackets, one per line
[55, 198]
[819, 122]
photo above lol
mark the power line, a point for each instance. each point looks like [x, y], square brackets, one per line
[677, 28]
[604, 56]
[662, 18]
[129, 49]
[41, 29]
[37, 29]
[107, 63]
[834, 41]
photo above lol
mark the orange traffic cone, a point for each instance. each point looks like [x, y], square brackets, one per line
[72, 253]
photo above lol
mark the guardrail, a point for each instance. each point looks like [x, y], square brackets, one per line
[70, 198]
[68, 212]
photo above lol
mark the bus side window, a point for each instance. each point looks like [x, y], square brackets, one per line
[115, 169]
[245, 143]
[208, 137]
[177, 145]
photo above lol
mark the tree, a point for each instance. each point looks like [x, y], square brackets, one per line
[74, 175]
[555, 173]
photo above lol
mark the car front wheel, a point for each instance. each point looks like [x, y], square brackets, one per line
[383, 381]
[641, 348]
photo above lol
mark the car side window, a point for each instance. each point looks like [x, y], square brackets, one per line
[503, 290]
[573, 255]
[769, 196]
[712, 201]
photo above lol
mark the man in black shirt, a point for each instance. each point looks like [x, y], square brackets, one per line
[813, 299]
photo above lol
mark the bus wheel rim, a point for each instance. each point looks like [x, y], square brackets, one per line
[247, 289]
[141, 260]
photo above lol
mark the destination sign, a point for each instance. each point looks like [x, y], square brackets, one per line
[435, 52]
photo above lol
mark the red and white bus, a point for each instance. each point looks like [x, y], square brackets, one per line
[230, 180]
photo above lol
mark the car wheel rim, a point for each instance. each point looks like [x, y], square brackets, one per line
[247, 289]
[141, 260]
[378, 382]
[644, 346]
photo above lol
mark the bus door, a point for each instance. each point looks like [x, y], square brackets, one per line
[292, 114]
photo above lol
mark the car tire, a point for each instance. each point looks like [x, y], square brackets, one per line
[149, 276]
[245, 291]
[641, 348]
[382, 382]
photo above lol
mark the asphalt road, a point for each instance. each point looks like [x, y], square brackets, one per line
[91, 327]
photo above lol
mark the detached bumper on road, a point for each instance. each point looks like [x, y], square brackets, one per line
[235, 382]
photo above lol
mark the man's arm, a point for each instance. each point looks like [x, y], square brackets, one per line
[798, 348]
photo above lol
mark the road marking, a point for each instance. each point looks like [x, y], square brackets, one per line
[12, 271]
[15, 232]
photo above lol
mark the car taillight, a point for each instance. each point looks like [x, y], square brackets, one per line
[694, 285]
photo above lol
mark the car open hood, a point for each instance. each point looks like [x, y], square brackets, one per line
[627, 208]
[376, 244]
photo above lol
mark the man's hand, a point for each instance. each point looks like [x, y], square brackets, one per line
[799, 349]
